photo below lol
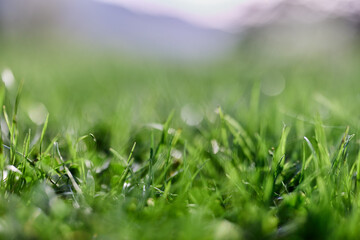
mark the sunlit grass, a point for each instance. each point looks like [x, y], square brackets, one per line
[139, 150]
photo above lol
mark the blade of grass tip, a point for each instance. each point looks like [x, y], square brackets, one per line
[195, 174]
[166, 126]
[27, 144]
[345, 148]
[14, 117]
[303, 164]
[85, 137]
[131, 153]
[313, 153]
[85, 175]
[74, 148]
[151, 159]
[151, 174]
[17, 99]
[49, 147]
[176, 137]
[165, 132]
[25, 148]
[346, 139]
[167, 190]
[279, 156]
[240, 130]
[6, 116]
[12, 150]
[240, 136]
[341, 149]
[118, 156]
[320, 137]
[223, 132]
[149, 180]
[43, 132]
[127, 169]
[167, 162]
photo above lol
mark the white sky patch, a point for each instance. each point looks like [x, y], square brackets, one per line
[8, 77]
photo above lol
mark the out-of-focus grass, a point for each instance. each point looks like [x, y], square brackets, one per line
[216, 156]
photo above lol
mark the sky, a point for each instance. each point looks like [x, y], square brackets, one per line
[224, 14]
[220, 14]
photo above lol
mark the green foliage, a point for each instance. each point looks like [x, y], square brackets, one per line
[115, 158]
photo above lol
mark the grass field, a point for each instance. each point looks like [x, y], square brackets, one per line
[249, 147]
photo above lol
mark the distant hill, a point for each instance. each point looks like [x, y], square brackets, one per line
[300, 28]
[112, 26]
[260, 12]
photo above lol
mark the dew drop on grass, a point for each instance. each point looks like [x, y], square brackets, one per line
[215, 146]
[273, 85]
[126, 185]
[13, 169]
[191, 115]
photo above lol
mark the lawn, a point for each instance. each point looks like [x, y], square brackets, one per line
[101, 146]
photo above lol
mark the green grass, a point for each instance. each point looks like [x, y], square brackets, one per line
[116, 160]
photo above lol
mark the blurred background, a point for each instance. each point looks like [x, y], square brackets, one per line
[122, 63]
[182, 29]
